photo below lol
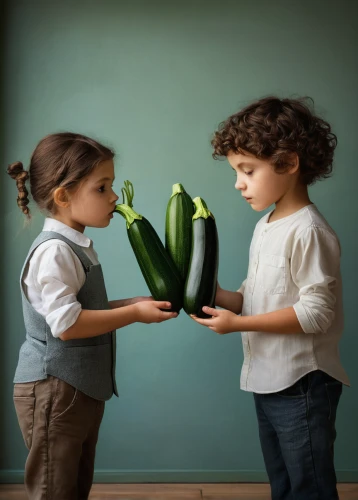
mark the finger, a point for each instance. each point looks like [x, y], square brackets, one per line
[162, 305]
[201, 321]
[168, 315]
[211, 311]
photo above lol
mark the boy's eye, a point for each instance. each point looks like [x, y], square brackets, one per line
[249, 173]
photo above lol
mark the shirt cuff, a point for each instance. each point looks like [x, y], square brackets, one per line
[242, 288]
[302, 317]
[63, 318]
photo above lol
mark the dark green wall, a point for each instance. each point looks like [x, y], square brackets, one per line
[153, 80]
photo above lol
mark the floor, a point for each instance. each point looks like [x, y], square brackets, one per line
[237, 491]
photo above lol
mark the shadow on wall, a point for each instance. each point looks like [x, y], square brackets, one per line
[2, 208]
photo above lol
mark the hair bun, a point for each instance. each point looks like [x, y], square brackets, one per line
[17, 172]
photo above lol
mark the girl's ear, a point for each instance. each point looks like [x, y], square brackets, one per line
[294, 164]
[61, 198]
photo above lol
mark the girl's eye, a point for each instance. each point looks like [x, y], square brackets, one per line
[102, 189]
[249, 173]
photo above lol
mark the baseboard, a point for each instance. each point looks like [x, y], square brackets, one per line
[176, 476]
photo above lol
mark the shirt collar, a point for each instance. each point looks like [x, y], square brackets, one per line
[288, 217]
[67, 231]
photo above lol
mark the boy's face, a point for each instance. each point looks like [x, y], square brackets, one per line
[258, 182]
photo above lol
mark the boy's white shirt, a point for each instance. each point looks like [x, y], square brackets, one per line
[294, 261]
[54, 276]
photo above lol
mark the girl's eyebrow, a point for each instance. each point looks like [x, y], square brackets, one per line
[106, 179]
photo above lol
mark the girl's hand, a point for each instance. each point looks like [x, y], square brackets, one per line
[222, 321]
[150, 311]
[135, 300]
[116, 304]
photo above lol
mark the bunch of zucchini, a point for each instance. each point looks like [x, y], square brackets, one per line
[185, 271]
[192, 242]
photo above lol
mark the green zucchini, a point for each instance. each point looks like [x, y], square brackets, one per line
[201, 282]
[158, 269]
[178, 222]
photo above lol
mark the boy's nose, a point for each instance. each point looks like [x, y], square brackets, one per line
[239, 185]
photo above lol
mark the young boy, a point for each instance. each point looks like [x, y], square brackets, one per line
[291, 302]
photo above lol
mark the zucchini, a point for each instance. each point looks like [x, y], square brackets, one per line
[201, 282]
[178, 222]
[158, 269]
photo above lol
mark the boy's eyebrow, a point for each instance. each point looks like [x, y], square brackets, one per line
[241, 164]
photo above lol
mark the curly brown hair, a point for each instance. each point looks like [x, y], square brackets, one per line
[273, 129]
[59, 160]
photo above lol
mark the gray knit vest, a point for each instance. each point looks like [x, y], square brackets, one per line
[87, 364]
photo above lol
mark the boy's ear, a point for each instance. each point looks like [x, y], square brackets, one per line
[61, 198]
[294, 163]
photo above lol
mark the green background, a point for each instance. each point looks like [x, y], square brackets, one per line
[153, 80]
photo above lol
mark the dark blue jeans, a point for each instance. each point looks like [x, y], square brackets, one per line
[297, 434]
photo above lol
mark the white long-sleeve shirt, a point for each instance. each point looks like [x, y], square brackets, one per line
[294, 261]
[54, 276]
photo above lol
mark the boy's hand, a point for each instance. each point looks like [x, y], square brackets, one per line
[150, 311]
[222, 321]
[218, 290]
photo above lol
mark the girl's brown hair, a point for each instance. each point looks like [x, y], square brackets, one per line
[59, 160]
[273, 129]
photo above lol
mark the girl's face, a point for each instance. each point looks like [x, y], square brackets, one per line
[93, 202]
[258, 182]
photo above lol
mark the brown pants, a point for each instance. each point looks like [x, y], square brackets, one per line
[60, 427]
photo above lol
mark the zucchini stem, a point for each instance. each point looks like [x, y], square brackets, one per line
[126, 208]
[128, 193]
[201, 209]
[128, 213]
[177, 189]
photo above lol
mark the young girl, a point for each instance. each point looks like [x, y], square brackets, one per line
[291, 302]
[66, 368]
